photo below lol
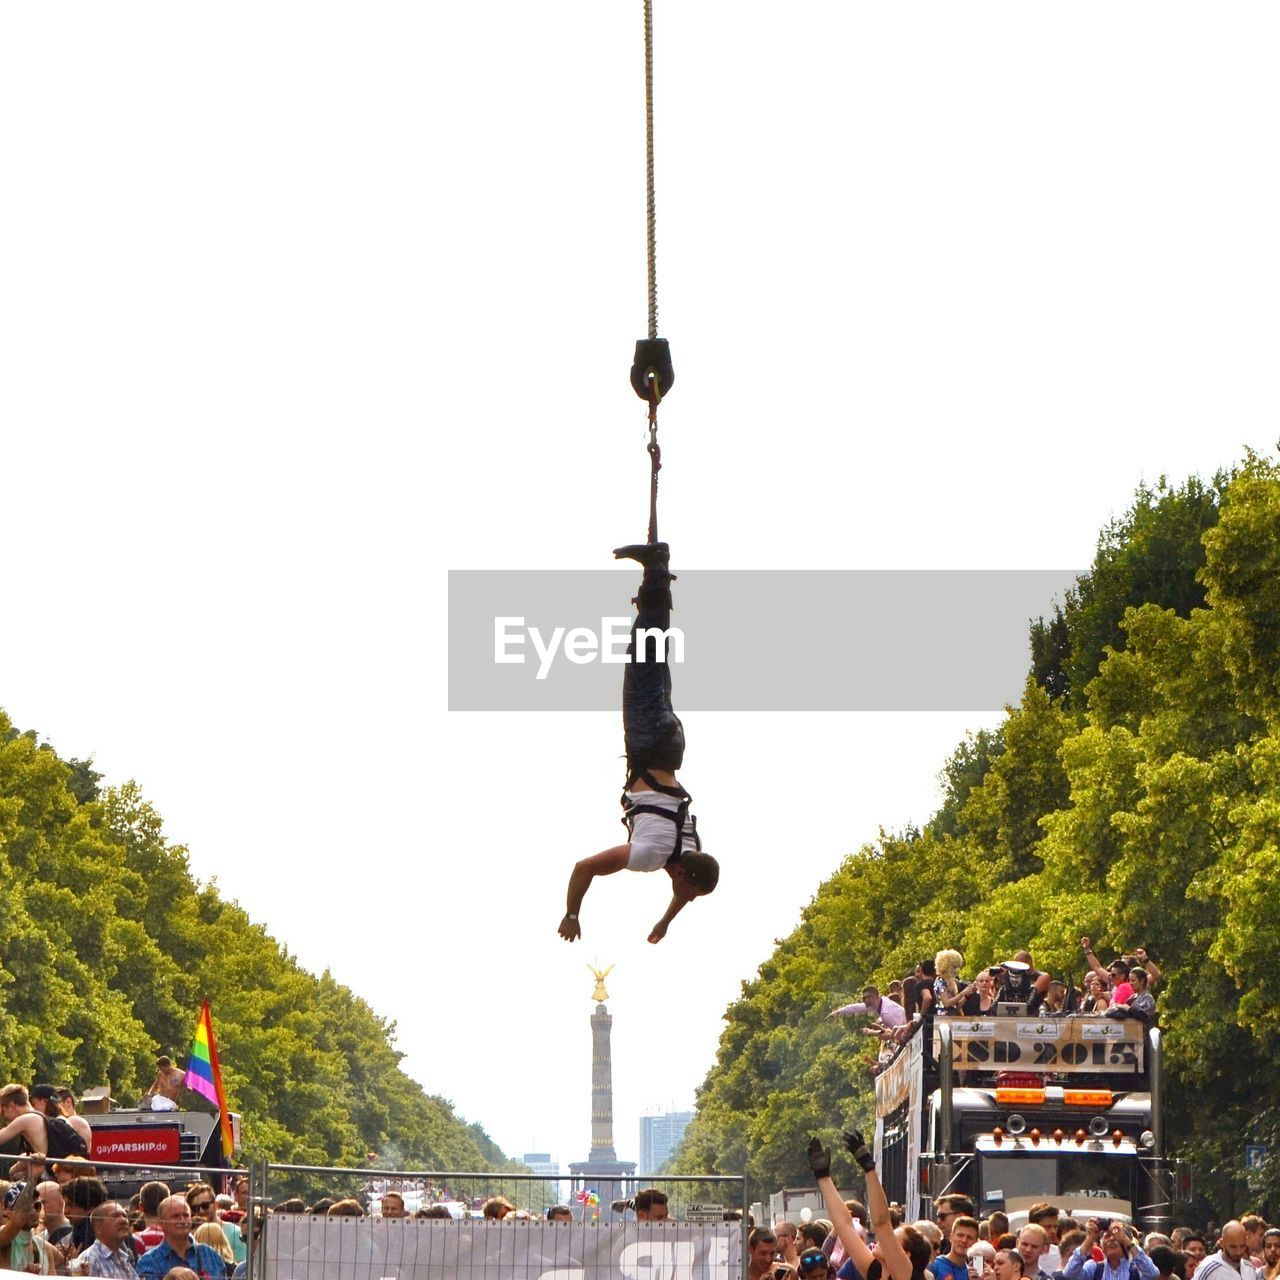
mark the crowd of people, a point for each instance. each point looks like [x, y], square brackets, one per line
[1124, 988]
[871, 1241]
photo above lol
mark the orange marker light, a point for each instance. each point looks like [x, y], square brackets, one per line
[1087, 1097]
[1019, 1097]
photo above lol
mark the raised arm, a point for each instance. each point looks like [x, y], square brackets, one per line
[841, 1219]
[1092, 961]
[584, 872]
[1153, 974]
[895, 1256]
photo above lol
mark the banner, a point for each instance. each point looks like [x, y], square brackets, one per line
[297, 1247]
[1083, 1045]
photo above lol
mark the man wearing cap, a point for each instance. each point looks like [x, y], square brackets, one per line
[55, 1104]
[109, 1254]
[20, 1248]
[179, 1247]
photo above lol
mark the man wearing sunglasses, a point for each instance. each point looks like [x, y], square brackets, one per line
[203, 1202]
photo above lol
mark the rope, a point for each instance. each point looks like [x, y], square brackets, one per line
[655, 464]
[650, 203]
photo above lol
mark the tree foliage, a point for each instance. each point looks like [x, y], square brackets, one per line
[1143, 809]
[110, 946]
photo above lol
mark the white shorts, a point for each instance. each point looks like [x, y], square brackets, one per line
[653, 837]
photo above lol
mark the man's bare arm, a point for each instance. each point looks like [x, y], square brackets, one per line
[674, 908]
[599, 864]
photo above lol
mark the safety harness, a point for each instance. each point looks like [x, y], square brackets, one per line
[679, 817]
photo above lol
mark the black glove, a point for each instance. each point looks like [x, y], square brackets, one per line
[819, 1159]
[857, 1145]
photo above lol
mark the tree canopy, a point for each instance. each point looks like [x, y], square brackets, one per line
[1132, 795]
[125, 943]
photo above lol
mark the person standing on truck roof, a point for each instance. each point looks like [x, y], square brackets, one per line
[1122, 1257]
[166, 1088]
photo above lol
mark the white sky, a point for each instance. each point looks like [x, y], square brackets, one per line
[304, 305]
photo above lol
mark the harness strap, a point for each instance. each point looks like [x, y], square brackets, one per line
[679, 817]
[639, 772]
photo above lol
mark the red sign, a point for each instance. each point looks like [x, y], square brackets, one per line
[137, 1144]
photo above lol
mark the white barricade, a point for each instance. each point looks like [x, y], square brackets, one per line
[299, 1247]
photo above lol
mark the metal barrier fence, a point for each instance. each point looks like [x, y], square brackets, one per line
[283, 1240]
[703, 1235]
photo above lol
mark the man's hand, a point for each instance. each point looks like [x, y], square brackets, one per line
[1140, 954]
[658, 932]
[570, 930]
[819, 1159]
[1086, 945]
[857, 1146]
[1091, 1232]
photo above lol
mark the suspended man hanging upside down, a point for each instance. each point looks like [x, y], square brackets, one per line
[664, 834]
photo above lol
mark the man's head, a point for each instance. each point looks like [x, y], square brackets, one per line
[28, 1214]
[964, 1235]
[50, 1196]
[651, 1205]
[1007, 1264]
[13, 1101]
[946, 1209]
[871, 998]
[927, 969]
[699, 871]
[1046, 1216]
[83, 1195]
[1271, 1246]
[788, 1236]
[110, 1224]
[44, 1098]
[393, 1205]
[203, 1202]
[241, 1192]
[1115, 1243]
[1253, 1226]
[560, 1213]
[762, 1245]
[1234, 1241]
[1194, 1244]
[1033, 1243]
[1118, 970]
[175, 1221]
[150, 1196]
[496, 1208]
[163, 1062]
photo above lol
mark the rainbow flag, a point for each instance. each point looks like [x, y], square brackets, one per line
[204, 1077]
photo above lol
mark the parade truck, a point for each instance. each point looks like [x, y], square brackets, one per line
[1014, 1110]
[141, 1137]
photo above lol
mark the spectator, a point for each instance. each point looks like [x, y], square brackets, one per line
[814, 1233]
[67, 1110]
[1153, 1238]
[1005, 1265]
[1230, 1262]
[81, 1196]
[1253, 1226]
[1169, 1262]
[204, 1208]
[889, 1012]
[787, 1234]
[392, 1205]
[1122, 1257]
[1117, 972]
[762, 1247]
[212, 1234]
[109, 1254]
[252, 1224]
[179, 1248]
[947, 1208]
[981, 1255]
[814, 1265]
[557, 1213]
[901, 1254]
[1097, 994]
[651, 1205]
[1196, 1248]
[997, 1226]
[496, 1208]
[1033, 1244]
[348, 1208]
[1046, 1216]
[292, 1205]
[1270, 1269]
[56, 1225]
[932, 1234]
[21, 1248]
[321, 1207]
[442, 1211]
[150, 1198]
[954, 1263]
